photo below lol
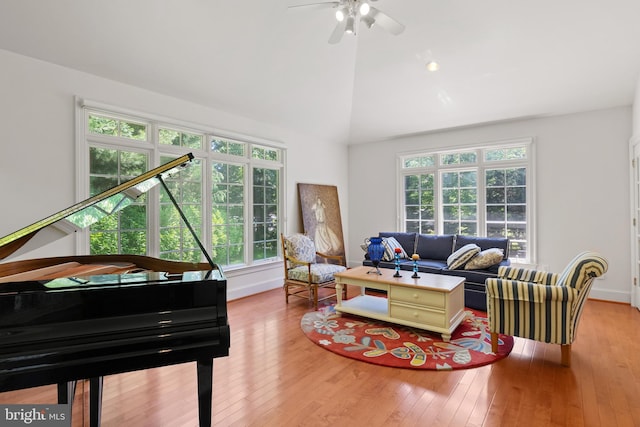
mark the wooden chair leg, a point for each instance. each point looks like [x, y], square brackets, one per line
[314, 291]
[494, 342]
[565, 350]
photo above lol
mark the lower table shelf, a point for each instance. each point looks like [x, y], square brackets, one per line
[430, 302]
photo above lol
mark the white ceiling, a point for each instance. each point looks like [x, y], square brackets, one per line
[500, 59]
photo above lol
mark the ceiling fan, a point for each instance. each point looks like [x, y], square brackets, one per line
[349, 13]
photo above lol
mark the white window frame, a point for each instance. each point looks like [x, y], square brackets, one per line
[481, 166]
[85, 140]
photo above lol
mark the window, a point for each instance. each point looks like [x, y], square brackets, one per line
[265, 213]
[245, 186]
[459, 201]
[126, 230]
[484, 191]
[176, 241]
[228, 208]
[230, 194]
[420, 214]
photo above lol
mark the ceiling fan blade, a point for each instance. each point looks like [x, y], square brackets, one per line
[338, 32]
[320, 5]
[386, 22]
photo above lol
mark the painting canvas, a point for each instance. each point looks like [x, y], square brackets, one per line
[321, 217]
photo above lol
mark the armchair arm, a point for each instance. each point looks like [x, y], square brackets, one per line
[528, 275]
[339, 258]
[296, 261]
[516, 290]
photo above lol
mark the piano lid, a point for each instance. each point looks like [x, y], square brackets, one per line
[87, 212]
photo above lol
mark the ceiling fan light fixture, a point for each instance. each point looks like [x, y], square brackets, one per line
[350, 14]
[351, 27]
[368, 21]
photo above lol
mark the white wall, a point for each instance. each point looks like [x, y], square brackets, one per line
[586, 154]
[636, 112]
[37, 150]
[582, 187]
[635, 140]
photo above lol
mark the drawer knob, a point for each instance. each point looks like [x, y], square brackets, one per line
[415, 314]
[415, 296]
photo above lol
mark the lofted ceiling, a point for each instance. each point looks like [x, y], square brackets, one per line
[500, 59]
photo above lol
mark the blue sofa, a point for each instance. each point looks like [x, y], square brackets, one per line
[434, 250]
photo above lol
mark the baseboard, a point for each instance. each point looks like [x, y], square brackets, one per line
[252, 289]
[613, 296]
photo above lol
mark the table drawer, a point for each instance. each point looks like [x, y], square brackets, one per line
[417, 315]
[421, 297]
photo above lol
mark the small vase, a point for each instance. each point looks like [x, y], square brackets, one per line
[375, 251]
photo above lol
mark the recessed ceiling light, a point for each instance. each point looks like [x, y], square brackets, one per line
[433, 66]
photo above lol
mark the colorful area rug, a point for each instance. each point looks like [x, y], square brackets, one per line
[399, 346]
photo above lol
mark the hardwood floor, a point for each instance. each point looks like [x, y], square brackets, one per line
[275, 376]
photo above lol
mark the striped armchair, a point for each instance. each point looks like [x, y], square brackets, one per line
[539, 305]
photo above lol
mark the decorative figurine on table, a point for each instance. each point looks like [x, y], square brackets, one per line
[397, 251]
[415, 258]
[375, 251]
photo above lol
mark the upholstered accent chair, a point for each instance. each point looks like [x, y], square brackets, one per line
[303, 274]
[542, 306]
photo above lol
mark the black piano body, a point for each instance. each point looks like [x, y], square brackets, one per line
[119, 313]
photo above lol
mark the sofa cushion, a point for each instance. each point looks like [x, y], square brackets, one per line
[470, 276]
[406, 240]
[460, 257]
[484, 243]
[485, 259]
[434, 246]
[430, 263]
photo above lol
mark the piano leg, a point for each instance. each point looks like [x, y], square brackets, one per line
[95, 401]
[205, 391]
[66, 391]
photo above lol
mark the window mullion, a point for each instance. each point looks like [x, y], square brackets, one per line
[206, 208]
[248, 212]
[153, 212]
[439, 214]
[481, 202]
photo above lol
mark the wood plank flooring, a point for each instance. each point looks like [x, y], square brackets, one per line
[275, 376]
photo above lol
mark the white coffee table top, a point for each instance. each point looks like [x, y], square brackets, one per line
[439, 282]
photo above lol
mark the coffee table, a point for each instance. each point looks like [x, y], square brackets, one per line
[434, 302]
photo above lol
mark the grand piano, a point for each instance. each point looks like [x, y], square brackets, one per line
[70, 318]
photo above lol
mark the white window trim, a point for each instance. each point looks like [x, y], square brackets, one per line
[481, 166]
[205, 155]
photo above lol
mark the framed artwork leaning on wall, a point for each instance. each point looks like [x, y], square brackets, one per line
[321, 217]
